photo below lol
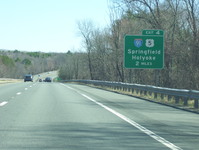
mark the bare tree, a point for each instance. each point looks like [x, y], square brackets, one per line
[86, 30]
[116, 41]
[192, 10]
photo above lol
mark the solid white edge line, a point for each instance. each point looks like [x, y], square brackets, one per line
[68, 87]
[133, 123]
[3, 103]
[136, 125]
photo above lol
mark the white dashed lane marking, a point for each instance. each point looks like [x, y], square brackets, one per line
[19, 93]
[3, 103]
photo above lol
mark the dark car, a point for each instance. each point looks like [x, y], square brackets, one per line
[28, 77]
[48, 79]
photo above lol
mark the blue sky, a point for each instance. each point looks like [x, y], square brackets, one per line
[47, 25]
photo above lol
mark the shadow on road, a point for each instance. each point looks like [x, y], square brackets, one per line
[74, 136]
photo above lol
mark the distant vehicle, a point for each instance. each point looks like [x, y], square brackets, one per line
[28, 77]
[48, 79]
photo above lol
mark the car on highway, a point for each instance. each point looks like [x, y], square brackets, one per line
[48, 79]
[28, 77]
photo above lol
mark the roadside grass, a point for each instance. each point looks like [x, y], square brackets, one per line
[9, 80]
[154, 97]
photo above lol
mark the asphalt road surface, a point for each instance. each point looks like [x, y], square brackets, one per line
[56, 116]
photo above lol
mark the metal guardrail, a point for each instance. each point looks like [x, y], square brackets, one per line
[178, 94]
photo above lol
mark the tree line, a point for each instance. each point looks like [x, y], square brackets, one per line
[15, 64]
[103, 58]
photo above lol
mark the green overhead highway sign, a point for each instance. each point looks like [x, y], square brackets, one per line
[153, 32]
[144, 51]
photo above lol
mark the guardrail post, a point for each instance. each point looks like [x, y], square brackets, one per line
[177, 99]
[169, 97]
[155, 95]
[196, 103]
[117, 88]
[145, 92]
[162, 96]
[132, 90]
[141, 92]
[137, 91]
[150, 93]
[185, 101]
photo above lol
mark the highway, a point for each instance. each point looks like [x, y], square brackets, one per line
[58, 116]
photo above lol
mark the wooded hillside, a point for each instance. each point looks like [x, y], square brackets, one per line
[14, 64]
[104, 47]
[102, 55]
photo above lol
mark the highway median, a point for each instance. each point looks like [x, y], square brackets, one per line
[9, 80]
